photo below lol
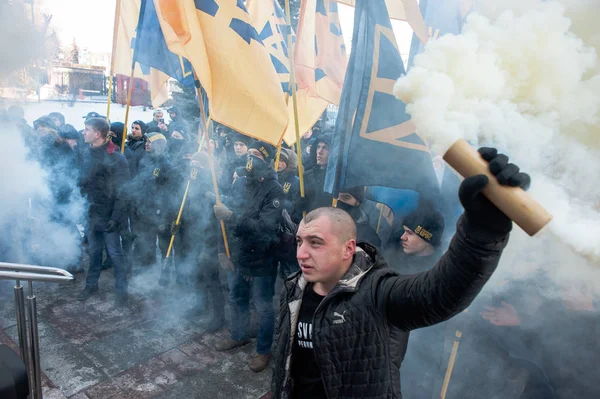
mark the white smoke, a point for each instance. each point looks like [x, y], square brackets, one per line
[524, 76]
[30, 232]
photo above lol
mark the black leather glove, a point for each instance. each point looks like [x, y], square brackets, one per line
[479, 210]
[175, 227]
[112, 226]
[303, 203]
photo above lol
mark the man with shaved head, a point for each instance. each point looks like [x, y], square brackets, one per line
[345, 317]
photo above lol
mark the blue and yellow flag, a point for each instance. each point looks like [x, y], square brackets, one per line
[375, 142]
[270, 21]
[125, 41]
[441, 17]
[321, 58]
[321, 61]
[151, 51]
[230, 60]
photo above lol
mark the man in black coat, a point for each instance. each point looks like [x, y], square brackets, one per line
[158, 121]
[314, 179]
[254, 227]
[415, 247]
[198, 239]
[104, 176]
[240, 149]
[350, 201]
[137, 145]
[344, 320]
[154, 202]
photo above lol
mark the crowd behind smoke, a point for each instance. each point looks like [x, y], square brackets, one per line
[37, 228]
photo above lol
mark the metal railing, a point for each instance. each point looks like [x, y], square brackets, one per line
[29, 341]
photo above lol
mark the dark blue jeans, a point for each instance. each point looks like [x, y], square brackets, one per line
[96, 241]
[262, 290]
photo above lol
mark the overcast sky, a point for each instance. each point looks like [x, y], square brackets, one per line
[91, 23]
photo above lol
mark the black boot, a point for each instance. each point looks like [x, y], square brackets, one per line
[87, 292]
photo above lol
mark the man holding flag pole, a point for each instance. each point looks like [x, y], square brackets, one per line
[216, 36]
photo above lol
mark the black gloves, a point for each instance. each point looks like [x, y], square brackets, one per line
[479, 210]
[112, 226]
[175, 227]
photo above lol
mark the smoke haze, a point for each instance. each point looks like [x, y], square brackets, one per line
[523, 76]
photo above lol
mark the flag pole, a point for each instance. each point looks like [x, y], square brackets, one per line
[164, 278]
[212, 161]
[450, 365]
[294, 99]
[133, 62]
[129, 90]
[277, 157]
[380, 215]
[113, 56]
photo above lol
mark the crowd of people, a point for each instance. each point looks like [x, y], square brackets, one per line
[358, 314]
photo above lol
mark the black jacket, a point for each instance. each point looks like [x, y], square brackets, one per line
[226, 179]
[104, 175]
[290, 183]
[200, 230]
[364, 231]
[62, 164]
[154, 191]
[255, 225]
[314, 181]
[138, 151]
[360, 356]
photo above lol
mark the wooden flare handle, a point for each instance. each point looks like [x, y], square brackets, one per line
[519, 206]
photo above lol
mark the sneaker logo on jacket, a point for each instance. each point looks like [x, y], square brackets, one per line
[341, 318]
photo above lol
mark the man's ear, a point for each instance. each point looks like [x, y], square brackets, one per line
[349, 249]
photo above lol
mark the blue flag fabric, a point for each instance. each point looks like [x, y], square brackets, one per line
[375, 143]
[401, 202]
[151, 51]
[441, 17]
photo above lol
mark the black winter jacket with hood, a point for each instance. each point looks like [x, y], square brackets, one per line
[104, 175]
[255, 224]
[360, 356]
[314, 179]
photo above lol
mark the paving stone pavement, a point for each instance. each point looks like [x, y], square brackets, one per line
[149, 349]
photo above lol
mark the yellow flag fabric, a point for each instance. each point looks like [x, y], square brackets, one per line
[231, 62]
[268, 18]
[270, 21]
[321, 61]
[321, 57]
[157, 80]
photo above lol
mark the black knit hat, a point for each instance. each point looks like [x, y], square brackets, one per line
[356, 192]
[427, 223]
[68, 132]
[44, 121]
[284, 156]
[117, 129]
[238, 137]
[267, 150]
[142, 126]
